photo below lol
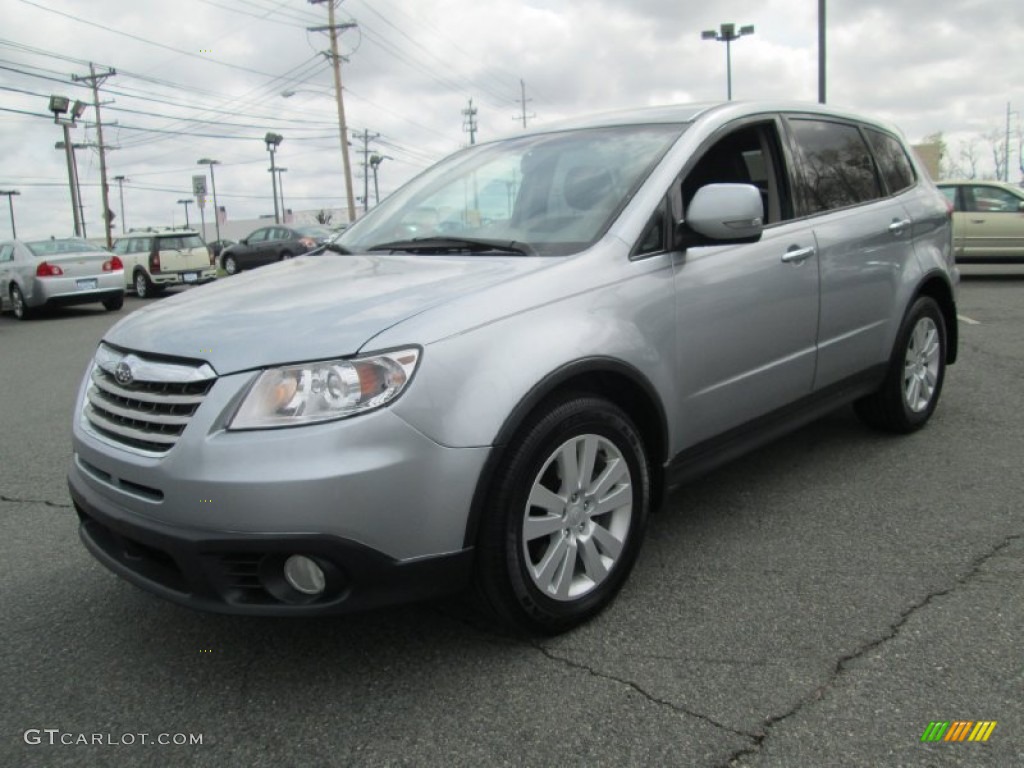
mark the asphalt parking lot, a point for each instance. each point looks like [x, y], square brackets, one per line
[816, 603]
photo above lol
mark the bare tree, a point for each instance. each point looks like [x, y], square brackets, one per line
[996, 139]
[969, 158]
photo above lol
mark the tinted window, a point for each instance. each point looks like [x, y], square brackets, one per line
[140, 245]
[981, 199]
[121, 246]
[896, 170]
[836, 168]
[180, 242]
[258, 236]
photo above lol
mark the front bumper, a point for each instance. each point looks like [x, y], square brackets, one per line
[384, 507]
[243, 573]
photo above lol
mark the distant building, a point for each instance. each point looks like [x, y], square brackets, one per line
[930, 156]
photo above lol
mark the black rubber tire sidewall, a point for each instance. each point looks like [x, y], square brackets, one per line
[503, 577]
[887, 409]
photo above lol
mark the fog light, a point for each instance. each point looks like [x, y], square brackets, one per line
[304, 575]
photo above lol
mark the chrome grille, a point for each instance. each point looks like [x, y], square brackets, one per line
[151, 409]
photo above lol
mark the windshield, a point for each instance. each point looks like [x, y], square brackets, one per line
[555, 193]
[67, 245]
[321, 233]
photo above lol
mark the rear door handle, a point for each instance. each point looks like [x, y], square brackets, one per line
[977, 221]
[797, 255]
[897, 226]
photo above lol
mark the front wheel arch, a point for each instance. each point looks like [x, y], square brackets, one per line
[619, 383]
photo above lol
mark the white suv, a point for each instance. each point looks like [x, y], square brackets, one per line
[156, 258]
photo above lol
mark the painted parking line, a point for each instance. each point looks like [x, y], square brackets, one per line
[968, 320]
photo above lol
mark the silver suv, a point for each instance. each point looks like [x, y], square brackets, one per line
[492, 378]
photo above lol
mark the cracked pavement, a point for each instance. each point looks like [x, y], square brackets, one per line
[816, 603]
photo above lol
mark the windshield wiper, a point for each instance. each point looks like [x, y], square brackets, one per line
[455, 245]
[332, 246]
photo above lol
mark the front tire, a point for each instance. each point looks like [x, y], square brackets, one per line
[917, 368]
[564, 522]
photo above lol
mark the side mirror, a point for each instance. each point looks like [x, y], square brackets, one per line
[726, 213]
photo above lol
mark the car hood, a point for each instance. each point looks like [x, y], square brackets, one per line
[313, 307]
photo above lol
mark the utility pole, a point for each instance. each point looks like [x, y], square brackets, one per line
[522, 101]
[366, 138]
[335, 58]
[95, 81]
[469, 125]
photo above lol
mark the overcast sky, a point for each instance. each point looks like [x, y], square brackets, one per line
[204, 78]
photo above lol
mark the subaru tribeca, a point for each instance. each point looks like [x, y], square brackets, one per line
[492, 378]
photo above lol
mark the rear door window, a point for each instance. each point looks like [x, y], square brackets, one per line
[835, 169]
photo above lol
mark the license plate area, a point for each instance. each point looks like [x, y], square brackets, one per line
[86, 284]
[189, 277]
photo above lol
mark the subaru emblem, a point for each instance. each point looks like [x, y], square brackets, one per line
[123, 373]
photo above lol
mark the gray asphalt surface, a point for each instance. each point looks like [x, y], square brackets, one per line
[816, 603]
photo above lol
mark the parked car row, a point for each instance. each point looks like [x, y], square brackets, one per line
[65, 271]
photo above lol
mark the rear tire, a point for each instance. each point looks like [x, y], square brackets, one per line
[114, 303]
[22, 311]
[917, 368]
[565, 518]
[230, 264]
[286, 255]
[143, 285]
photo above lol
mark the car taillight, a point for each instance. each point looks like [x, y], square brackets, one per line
[154, 263]
[949, 208]
[46, 269]
[112, 264]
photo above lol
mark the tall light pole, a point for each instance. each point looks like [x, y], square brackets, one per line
[332, 29]
[78, 185]
[280, 191]
[375, 161]
[213, 181]
[10, 202]
[186, 202]
[821, 51]
[726, 34]
[61, 105]
[273, 140]
[120, 188]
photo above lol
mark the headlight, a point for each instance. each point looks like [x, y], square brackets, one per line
[326, 390]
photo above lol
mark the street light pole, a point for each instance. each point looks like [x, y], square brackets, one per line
[273, 140]
[10, 202]
[186, 202]
[120, 188]
[280, 191]
[726, 35]
[213, 182]
[61, 105]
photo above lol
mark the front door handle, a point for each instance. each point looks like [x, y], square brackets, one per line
[897, 226]
[797, 255]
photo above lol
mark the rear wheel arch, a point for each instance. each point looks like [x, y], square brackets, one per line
[619, 383]
[940, 290]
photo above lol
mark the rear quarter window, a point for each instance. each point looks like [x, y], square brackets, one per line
[893, 164]
[836, 169]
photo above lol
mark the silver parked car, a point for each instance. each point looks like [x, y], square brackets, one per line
[58, 272]
[493, 377]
